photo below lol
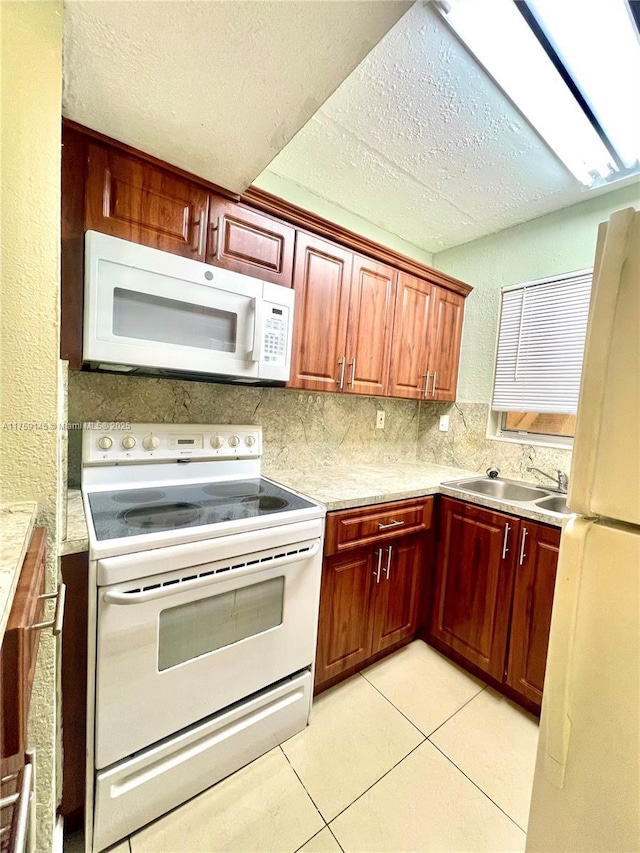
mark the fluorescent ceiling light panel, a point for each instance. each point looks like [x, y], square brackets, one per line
[598, 44]
[499, 37]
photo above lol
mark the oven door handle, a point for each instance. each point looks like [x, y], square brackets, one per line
[115, 597]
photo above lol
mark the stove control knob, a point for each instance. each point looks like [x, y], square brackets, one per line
[128, 442]
[234, 441]
[217, 441]
[250, 440]
[151, 442]
[105, 442]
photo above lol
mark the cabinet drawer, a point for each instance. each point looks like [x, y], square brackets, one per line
[352, 528]
[20, 646]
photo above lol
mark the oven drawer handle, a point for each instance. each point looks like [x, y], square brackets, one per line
[115, 597]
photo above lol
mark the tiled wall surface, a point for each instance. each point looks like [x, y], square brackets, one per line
[308, 429]
[465, 445]
[300, 428]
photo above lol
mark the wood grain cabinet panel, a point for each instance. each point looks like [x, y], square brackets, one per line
[444, 347]
[534, 585]
[352, 528]
[344, 627]
[20, 646]
[249, 242]
[397, 593]
[134, 200]
[410, 346]
[322, 280]
[371, 306]
[473, 583]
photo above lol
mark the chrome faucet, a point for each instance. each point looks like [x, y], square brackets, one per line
[561, 480]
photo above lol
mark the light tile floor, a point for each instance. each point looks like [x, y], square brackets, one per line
[413, 754]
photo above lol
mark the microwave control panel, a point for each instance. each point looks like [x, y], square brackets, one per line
[276, 328]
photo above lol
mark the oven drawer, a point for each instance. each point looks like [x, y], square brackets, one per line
[137, 790]
[353, 528]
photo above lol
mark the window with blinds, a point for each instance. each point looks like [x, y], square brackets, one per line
[543, 325]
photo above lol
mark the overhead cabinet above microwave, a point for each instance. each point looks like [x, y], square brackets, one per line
[159, 312]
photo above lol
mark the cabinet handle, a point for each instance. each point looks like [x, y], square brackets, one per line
[377, 573]
[425, 390]
[505, 548]
[387, 568]
[391, 524]
[433, 389]
[353, 373]
[522, 553]
[18, 827]
[58, 616]
[343, 363]
[198, 243]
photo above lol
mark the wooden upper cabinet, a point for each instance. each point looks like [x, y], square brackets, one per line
[249, 242]
[409, 349]
[371, 305]
[537, 561]
[137, 201]
[473, 583]
[322, 280]
[444, 344]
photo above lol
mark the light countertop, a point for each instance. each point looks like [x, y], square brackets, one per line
[342, 487]
[16, 525]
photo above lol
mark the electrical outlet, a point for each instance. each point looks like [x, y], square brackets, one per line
[444, 423]
[380, 419]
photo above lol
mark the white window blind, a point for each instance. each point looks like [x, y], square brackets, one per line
[543, 325]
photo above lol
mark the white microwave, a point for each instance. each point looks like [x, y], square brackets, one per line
[149, 311]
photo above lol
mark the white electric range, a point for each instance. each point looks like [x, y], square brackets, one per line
[203, 608]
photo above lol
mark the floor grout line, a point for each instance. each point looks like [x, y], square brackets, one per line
[307, 793]
[460, 770]
[373, 784]
[410, 720]
[334, 835]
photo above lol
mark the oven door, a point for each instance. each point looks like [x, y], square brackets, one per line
[176, 647]
[148, 308]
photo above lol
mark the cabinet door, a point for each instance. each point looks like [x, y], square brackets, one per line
[445, 337]
[473, 583]
[534, 584]
[371, 306]
[396, 596]
[409, 349]
[344, 627]
[128, 198]
[249, 242]
[321, 280]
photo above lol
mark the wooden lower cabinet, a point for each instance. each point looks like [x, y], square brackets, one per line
[493, 594]
[473, 584]
[370, 601]
[532, 604]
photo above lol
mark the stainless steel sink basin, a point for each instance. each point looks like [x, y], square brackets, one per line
[555, 503]
[504, 490]
[512, 492]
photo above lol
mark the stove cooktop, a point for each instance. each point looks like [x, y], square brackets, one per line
[132, 512]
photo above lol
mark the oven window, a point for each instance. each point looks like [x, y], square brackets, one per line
[155, 318]
[190, 630]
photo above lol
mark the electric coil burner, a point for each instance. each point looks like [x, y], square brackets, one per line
[203, 610]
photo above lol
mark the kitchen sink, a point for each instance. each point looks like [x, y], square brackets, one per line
[504, 490]
[555, 503]
[513, 492]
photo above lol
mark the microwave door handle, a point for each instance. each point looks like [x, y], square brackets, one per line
[258, 328]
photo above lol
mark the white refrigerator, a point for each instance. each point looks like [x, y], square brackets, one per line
[586, 790]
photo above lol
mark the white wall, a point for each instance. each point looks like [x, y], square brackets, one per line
[29, 363]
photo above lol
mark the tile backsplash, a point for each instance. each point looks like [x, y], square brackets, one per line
[465, 445]
[301, 428]
[308, 429]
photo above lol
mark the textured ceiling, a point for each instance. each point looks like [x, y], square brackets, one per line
[419, 141]
[216, 87]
